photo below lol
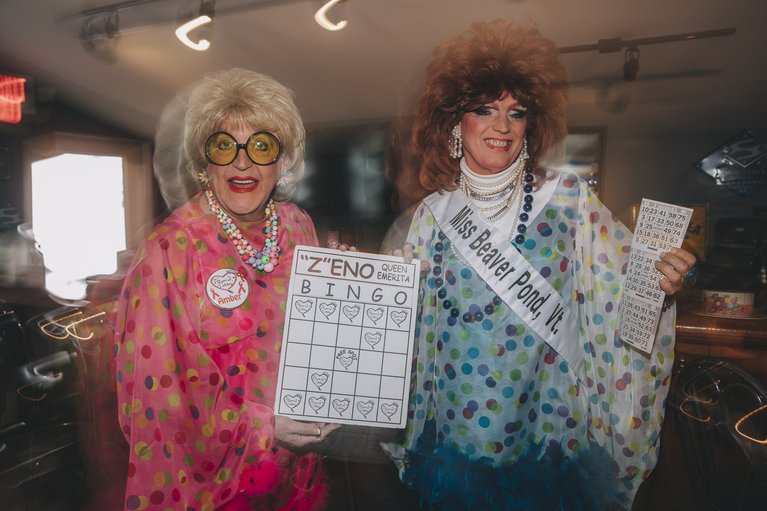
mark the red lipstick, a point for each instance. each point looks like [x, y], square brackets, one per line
[242, 184]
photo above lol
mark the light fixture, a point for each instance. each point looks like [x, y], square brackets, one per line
[321, 17]
[99, 35]
[205, 18]
[631, 64]
[11, 97]
[99, 32]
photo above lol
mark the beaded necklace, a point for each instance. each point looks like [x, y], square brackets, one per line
[475, 312]
[269, 256]
[526, 205]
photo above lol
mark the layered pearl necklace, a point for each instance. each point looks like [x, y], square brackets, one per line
[497, 195]
[269, 256]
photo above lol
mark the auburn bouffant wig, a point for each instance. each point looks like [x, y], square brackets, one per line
[481, 66]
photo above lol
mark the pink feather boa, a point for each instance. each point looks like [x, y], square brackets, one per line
[261, 481]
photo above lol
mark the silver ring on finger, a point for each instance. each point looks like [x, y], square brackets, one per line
[319, 432]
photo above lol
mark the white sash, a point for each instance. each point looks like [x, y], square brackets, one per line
[512, 278]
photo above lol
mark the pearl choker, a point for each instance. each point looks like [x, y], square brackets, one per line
[269, 256]
[501, 195]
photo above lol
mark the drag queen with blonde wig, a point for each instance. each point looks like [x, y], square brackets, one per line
[201, 315]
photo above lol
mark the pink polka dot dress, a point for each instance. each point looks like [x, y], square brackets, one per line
[197, 348]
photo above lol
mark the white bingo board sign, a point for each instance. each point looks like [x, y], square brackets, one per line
[659, 228]
[348, 339]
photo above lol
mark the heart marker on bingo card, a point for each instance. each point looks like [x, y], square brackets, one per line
[398, 317]
[341, 405]
[319, 379]
[303, 306]
[327, 309]
[317, 403]
[292, 400]
[351, 311]
[374, 313]
[372, 338]
[389, 409]
[365, 407]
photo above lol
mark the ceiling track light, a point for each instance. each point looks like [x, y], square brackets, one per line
[631, 64]
[99, 35]
[321, 17]
[99, 31]
[204, 19]
[616, 44]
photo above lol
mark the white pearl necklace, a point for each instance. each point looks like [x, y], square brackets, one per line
[501, 195]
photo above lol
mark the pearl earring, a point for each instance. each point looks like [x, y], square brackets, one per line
[456, 144]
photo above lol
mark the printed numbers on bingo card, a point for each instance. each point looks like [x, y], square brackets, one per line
[659, 228]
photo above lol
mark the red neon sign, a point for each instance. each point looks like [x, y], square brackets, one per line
[11, 98]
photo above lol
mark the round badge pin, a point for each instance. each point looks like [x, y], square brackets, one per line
[227, 288]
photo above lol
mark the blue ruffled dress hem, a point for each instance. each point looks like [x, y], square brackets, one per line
[542, 479]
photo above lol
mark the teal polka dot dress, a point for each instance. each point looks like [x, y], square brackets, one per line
[487, 387]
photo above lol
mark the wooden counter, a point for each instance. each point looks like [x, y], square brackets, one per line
[741, 341]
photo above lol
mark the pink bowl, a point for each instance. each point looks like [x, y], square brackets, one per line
[731, 304]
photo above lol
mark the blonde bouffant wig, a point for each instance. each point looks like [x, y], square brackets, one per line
[246, 99]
